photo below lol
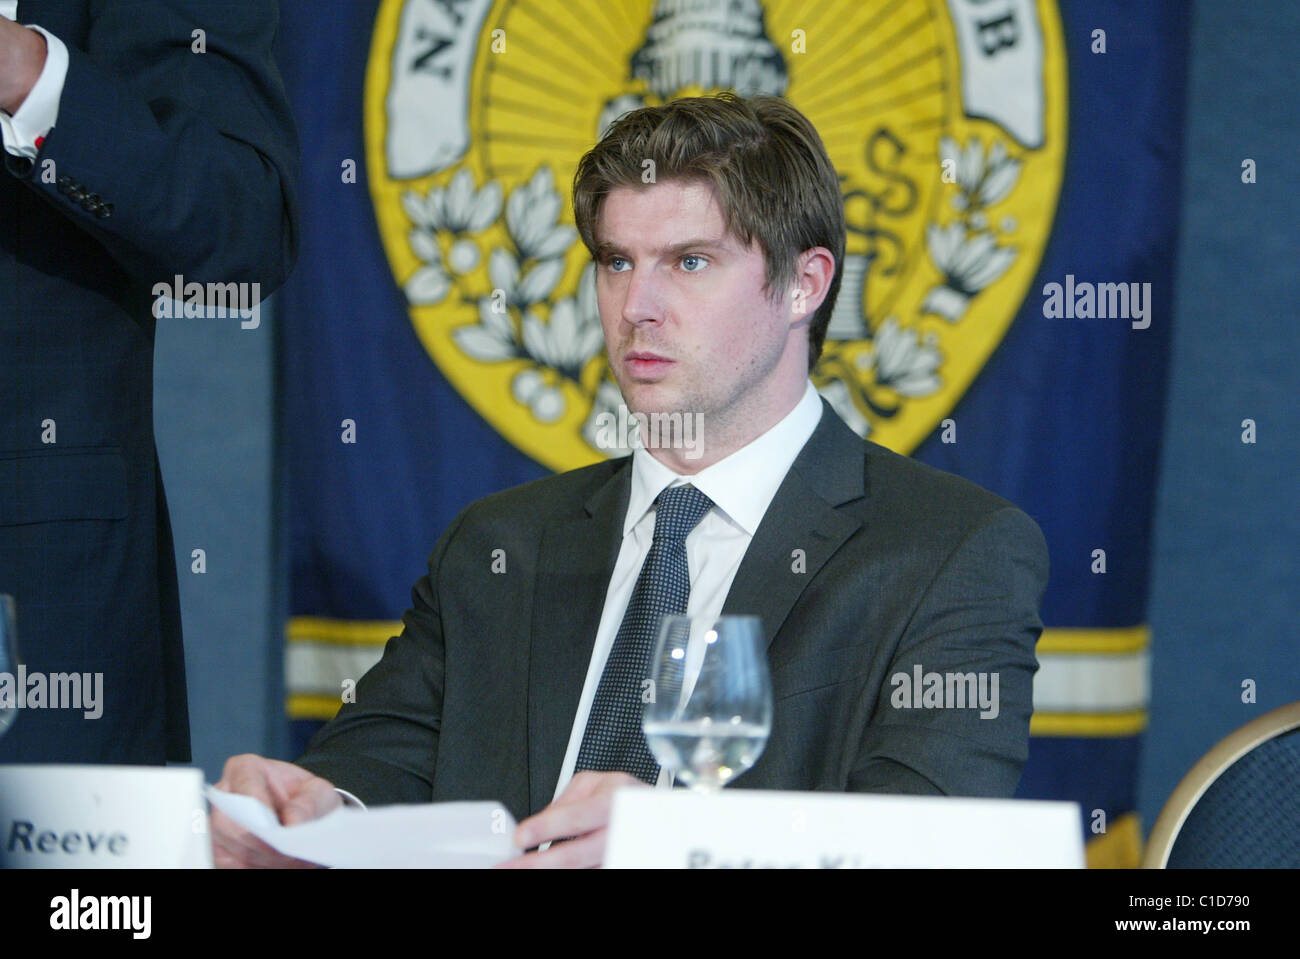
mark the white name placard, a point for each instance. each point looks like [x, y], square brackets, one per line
[54, 817]
[760, 829]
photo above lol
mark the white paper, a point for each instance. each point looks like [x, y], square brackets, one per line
[456, 835]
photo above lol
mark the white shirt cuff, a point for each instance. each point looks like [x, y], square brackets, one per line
[40, 111]
[349, 799]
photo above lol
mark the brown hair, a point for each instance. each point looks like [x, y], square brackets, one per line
[768, 168]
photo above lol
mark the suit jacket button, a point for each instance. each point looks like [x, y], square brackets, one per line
[90, 203]
[104, 211]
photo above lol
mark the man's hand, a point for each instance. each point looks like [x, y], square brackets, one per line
[22, 58]
[295, 795]
[581, 811]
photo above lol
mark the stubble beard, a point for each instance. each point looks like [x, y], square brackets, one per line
[726, 421]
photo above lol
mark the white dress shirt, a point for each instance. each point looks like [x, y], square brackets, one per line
[741, 487]
[40, 111]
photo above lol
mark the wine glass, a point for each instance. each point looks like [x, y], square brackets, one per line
[708, 708]
[8, 659]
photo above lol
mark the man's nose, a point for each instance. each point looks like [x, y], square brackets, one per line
[643, 297]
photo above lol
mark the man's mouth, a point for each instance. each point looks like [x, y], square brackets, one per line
[641, 363]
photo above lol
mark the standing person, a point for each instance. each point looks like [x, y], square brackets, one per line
[143, 141]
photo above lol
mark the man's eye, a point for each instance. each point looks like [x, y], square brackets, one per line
[613, 261]
[691, 257]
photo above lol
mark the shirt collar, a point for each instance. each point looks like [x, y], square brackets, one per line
[741, 485]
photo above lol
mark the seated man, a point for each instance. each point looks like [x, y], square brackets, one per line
[715, 286]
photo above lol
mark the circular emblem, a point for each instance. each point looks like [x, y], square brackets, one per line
[946, 120]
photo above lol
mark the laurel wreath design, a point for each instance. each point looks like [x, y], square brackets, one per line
[969, 257]
[446, 224]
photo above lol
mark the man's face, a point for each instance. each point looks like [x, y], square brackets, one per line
[687, 324]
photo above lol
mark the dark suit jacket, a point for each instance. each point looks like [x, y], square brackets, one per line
[165, 161]
[905, 565]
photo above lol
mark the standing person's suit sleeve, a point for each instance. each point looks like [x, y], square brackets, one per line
[176, 160]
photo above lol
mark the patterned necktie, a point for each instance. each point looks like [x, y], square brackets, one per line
[613, 739]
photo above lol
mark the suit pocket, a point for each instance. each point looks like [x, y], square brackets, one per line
[47, 486]
[819, 670]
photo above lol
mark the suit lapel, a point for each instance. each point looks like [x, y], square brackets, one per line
[828, 472]
[575, 562]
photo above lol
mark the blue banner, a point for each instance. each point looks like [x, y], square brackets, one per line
[1011, 177]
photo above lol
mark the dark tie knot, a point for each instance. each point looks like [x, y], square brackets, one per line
[678, 510]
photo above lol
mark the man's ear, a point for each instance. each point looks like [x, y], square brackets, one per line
[814, 269]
